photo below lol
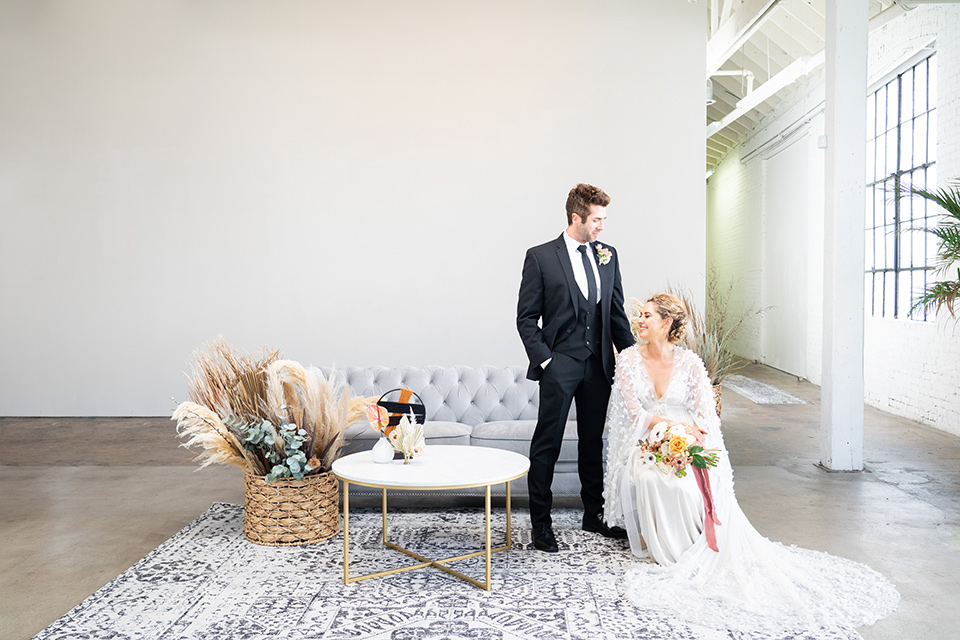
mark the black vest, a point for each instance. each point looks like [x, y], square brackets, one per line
[582, 339]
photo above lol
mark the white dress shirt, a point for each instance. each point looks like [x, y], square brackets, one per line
[577, 263]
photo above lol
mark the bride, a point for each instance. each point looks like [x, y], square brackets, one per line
[712, 567]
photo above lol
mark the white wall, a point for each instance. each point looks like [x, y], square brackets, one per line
[353, 183]
[911, 368]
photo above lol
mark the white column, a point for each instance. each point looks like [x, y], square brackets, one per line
[841, 416]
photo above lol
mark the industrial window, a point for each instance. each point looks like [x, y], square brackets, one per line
[901, 150]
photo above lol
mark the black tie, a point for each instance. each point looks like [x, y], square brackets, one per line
[591, 281]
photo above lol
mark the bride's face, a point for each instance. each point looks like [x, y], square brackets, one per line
[651, 326]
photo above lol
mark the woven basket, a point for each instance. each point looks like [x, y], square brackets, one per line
[717, 396]
[291, 512]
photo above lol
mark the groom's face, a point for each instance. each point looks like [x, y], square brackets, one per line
[589, 230]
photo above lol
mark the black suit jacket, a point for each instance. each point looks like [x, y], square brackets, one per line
[550, 300]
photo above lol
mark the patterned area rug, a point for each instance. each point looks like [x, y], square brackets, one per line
[208, 583]
[760, 392]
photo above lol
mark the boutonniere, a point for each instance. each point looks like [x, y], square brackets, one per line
[603, 254]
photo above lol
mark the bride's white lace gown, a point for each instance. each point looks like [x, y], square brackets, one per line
[751, 583]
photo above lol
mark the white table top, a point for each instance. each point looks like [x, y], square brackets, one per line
[440, 467]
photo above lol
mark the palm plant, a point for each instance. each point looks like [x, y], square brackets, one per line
[942, 294]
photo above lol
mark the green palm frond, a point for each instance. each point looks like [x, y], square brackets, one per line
[943, 294]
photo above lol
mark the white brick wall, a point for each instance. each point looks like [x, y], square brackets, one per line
[734, 240]
[912, 369]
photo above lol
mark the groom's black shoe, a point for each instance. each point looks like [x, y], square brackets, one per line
[544, 539]
[596, 525]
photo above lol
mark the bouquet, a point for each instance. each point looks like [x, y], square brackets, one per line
[406, 437]
[674, 446]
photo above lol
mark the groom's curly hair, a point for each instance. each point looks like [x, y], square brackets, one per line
[581, 197]
[670, 306]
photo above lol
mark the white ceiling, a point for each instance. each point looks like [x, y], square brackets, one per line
[778, 42]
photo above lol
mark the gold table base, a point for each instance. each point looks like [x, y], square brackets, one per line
[423, 561]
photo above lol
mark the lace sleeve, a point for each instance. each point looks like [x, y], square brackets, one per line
[626, 420]
[700, 399]
[627, 370]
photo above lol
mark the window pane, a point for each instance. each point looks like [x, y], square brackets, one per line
[932, 246]
[892, 100]
[889, 238]
[906, 245]
[880, 198]
[904, 295]
[920, 139]
[920, 88]
[932, 136]
[881, 155]
[871, 160]
[889, 295]
[868, 293]
[906, 95]
[889, 210]
[906, 205]
[891, 155]
[920, 248]
[881, 110]
[871, 116]
[906, 145]
[868, 250]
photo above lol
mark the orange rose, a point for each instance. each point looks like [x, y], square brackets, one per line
[678, 444]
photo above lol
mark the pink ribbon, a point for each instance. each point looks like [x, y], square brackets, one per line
[710, 520]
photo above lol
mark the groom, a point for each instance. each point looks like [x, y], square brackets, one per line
[570, 315]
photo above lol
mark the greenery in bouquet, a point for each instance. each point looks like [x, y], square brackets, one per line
[269, 416]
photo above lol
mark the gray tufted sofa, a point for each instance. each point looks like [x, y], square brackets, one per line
[471, 406]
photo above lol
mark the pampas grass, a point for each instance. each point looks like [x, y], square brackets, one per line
[231, 391]
[709, 334]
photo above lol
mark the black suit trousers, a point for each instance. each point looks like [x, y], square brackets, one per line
[565, 380]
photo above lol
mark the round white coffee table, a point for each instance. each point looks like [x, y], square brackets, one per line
[440, 467]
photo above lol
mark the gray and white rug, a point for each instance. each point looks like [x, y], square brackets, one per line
[760, 392]
[208, 583]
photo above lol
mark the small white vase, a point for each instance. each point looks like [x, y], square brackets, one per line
[383, 451]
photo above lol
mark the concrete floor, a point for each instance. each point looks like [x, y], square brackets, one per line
[84, 498]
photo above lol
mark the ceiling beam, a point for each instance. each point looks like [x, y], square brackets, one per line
[799, 68]
[788, 76]
[735, 30]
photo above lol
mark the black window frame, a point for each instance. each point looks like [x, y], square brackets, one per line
[896, 272]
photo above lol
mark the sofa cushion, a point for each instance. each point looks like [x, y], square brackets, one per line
[515, 435]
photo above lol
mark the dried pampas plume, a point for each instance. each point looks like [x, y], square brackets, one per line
[203, 427]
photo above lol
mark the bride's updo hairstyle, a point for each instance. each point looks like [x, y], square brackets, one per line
[669, 306]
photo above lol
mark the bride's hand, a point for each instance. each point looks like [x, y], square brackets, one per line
[700, 434]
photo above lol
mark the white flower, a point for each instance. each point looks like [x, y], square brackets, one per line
[665, 469]
[657, 432]
[649, 458]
